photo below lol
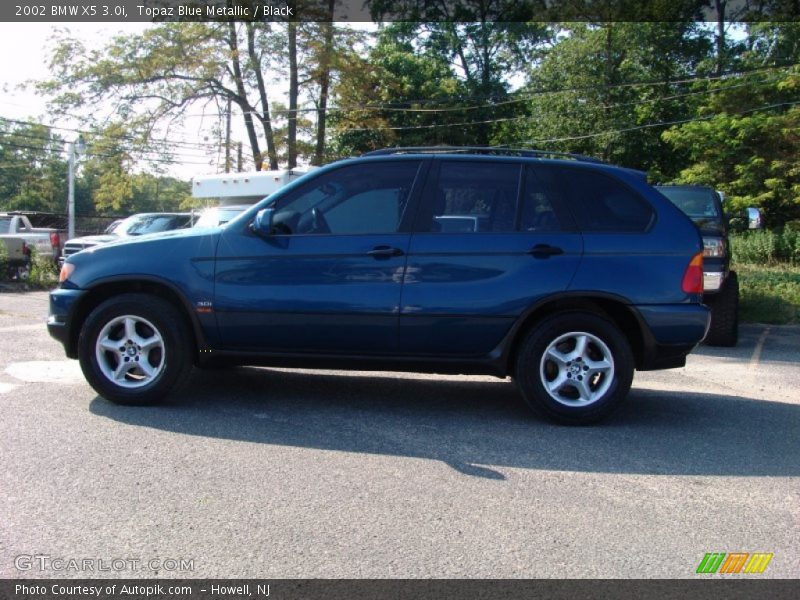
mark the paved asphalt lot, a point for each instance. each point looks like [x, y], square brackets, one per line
[281, 474]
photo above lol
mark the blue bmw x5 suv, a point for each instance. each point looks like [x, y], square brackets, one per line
[562, 272]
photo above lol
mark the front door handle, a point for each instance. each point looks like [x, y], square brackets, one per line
[385, 252]
[545, 251]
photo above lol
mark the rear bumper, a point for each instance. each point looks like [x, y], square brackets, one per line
[63, 304]
[670, 333]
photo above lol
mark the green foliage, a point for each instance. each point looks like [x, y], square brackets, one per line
[769, 294]
[747, 144]
[581, 97]
[766, 247]
[3, 262]
[32, 170]
[42, 270]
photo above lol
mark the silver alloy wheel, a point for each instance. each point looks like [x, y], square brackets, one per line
[130, 351]
[576, 369]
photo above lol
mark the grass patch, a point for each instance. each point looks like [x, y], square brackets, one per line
[769, 293]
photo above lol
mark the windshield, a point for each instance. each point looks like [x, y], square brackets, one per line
[213, 217]
[143, 224]
[696, 203]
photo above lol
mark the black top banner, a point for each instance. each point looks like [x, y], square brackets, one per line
[397, 10]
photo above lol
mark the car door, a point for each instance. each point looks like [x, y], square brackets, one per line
[329, 279]
[491, 238]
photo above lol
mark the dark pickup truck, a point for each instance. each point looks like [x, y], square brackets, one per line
[704, 206]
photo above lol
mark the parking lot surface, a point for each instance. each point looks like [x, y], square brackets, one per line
[277, 473]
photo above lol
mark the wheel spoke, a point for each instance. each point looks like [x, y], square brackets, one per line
[555, 386]
[111, 346]
[558, 357]
[582, 386]
[130, 328]
[150, 343]
[121, 370]
[146, 367]
[597, 366]
[581, 341]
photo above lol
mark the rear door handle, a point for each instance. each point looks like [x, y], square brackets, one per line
[385, 252]
[545, 251]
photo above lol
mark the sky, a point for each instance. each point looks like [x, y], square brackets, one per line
[28, 45]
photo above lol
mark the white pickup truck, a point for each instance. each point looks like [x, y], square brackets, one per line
[47, 241]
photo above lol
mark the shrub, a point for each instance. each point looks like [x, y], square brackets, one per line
[766, 247]
[42, 271]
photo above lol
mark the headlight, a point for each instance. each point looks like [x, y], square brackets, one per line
[714, 247]
[66, 271]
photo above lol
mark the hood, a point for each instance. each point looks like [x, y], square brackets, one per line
[162, 237]
[93, 240]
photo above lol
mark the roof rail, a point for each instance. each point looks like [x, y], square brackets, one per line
[489, 150]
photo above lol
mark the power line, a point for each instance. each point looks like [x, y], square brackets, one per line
[505, 100]
[90, 133]
[660, 124]
[526, 117]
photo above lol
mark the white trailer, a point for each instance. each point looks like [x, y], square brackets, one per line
[227, 189]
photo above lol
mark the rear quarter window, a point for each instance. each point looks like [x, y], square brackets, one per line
[600, 202]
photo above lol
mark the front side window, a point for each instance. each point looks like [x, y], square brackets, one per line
[355, 199]
[473, 197]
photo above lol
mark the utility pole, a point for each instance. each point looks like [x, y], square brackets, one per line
[228, 138]
[239, 157]
[75, 148]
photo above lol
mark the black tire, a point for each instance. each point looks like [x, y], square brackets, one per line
[605, 388]
[165, 349]
[724, 327]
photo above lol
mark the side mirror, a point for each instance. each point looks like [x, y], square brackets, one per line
[262, 224]
[754, 218]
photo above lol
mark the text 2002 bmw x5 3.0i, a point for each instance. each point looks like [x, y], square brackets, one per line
[565, 273]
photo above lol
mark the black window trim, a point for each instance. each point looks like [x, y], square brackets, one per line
[424, 210]
[405, 224]
[623, 183]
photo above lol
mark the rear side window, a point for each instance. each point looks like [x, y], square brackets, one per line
[542, 206]
[473, 197]
[601, 203]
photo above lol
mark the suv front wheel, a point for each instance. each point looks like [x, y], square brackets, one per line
[135, 349]
[574, 368]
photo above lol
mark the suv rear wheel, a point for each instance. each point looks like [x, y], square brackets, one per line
[134, 349]
[574, 368]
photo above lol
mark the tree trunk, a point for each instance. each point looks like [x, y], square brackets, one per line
[264, 117]
[291, 141]
[241, 96]
[719, 5]
[324, 85]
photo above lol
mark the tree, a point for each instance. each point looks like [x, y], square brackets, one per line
[599, 89]
[32, 168]
[154, 77]
[745, 138]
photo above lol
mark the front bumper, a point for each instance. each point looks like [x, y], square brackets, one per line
[63, 305]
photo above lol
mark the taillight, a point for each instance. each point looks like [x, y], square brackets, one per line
[693, 276]
[26, 251]
[55, 241]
